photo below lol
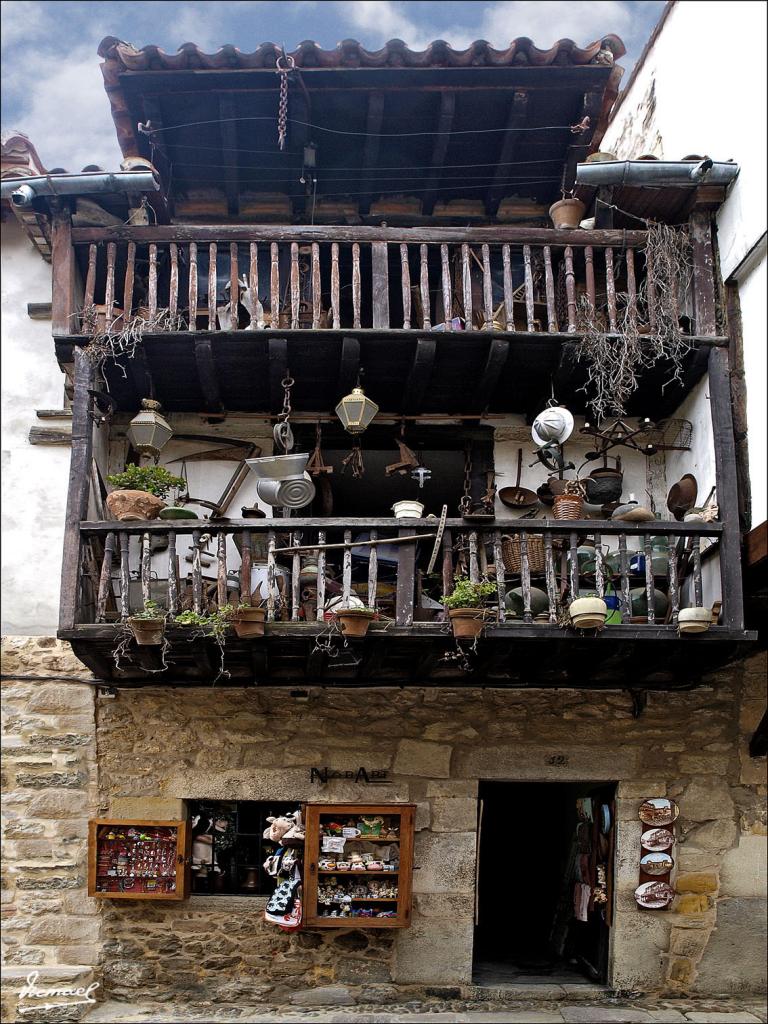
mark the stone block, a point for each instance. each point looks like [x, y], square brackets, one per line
[640, 945]
[604, 1015]
[691, 903]
[454, 815]
[146, 808]
[18, 829]
[744, 868]
[55, 803]
[451, 731]
[428, 760]
[328, 995]
[452, 788]
[61, 698]
[681, 971]
[714, 835]
[705, 799]
[435, 951]
[689, 942]
[444, 863]
[63, 930]
[734, 960]
[522, 762]
[697, 881]
[44, 780]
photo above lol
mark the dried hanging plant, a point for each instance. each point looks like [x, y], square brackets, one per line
[118, 338]
[648, 328]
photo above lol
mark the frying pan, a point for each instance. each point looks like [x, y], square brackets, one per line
[517, 496]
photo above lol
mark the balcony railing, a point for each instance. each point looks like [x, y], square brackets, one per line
[650, 570]
[223, 278]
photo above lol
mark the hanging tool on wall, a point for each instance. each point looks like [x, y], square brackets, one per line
[236, 448]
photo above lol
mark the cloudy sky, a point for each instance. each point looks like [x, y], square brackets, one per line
[52, 86]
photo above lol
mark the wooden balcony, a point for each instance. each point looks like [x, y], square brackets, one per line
[446, 320]
[121, 565]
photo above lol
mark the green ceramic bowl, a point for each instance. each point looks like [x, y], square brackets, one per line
[514, 601]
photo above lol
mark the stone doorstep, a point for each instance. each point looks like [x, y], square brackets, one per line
[535, 992]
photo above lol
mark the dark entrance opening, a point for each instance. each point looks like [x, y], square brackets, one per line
[544, 896]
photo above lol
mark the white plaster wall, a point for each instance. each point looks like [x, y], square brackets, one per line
[702, 90]
[34, 477]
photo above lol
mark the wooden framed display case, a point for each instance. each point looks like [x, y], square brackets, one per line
[138, 860]
[376, 893]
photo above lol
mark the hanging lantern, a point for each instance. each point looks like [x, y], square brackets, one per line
[149, 432]
[356, 412]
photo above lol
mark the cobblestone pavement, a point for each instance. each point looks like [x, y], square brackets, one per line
[608, 1011]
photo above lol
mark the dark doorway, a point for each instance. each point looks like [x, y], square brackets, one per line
[544, 882]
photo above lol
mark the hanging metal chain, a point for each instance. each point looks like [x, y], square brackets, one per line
[284, 65]
[282, 432]
[465, 505]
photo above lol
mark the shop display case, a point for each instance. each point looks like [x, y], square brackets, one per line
[139, 860]
[358, 865]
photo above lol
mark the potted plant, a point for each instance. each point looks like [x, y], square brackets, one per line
[248, 620]
[588, 612]
[355, 621]
[148, 625]
[567, 212]
[466, 605]
[139, 491]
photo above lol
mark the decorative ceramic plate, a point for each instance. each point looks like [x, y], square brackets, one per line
[654, 895]
[605, 819]
[657, 863]
[658, 810]
[658, 839]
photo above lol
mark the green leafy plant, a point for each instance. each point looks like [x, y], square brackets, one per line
[216, 624]
[154, 479]
[467, 594]
[151, 610]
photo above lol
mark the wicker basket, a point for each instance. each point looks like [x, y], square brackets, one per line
[568, 506]
[510, 553]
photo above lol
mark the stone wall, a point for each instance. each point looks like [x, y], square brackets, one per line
[158, 747]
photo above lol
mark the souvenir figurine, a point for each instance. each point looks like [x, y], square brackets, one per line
[370, 826]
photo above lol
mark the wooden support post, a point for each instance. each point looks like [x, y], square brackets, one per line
[380, 284]
[79, 489]
[64, 285]
[406, 582]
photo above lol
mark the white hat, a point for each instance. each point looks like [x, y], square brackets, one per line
[554, 425]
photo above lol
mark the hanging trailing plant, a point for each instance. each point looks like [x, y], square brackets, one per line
[119, 337]
[648, 326]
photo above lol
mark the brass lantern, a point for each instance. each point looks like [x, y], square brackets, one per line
[149, 432]
[356, 412]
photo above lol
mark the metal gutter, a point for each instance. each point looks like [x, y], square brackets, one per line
[656, 172]
[22, 191]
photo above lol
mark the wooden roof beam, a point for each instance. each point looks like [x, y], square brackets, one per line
[510, 145]
[420, 375]
[228, 129]
[373, 123]
[440, 149]
[349, 365]
[206, 373]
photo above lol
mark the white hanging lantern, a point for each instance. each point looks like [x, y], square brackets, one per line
[356, 411]
[149, 432]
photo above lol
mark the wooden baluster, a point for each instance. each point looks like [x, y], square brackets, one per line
[650, 596]
[346, 573]
[379, 285]
[474, 569]
[146, 569]
[549, 285]
[610, 288]
[90, 277]
[446, 283]
[589, 266]
[466, 286]
[152, 279]
[274, 288]
[173, 580]
[599, 568]
[631, 287]
[426, 321]
[487, 289]
[549, 572]
[626, 602]
[574, 564]
[173, 287]
[296, 577]
[105, 578]
[674, 585]
[697, 585]
[529, 310]
[271, 583]
[447, 563]
[525, 577]
[335, 301]
[197, 574]
[257, 310]
[221, 570]
[373, 571]
[213, 286]
[321, 577]
[234, 288]
[316, 287]
[650, 291]
[295, 286]
[125, 576]
[109, 293]
[130, 273]
[193, 286]
[509, 301]
[356, 285]
[570, 288]
[498, 561]
[245, 568]
[405, 279]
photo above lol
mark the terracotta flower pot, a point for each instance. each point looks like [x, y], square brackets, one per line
[467, 622]
[147, 632]
[567, 213]
[130, 506]
[249, 622]
[354, 621]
